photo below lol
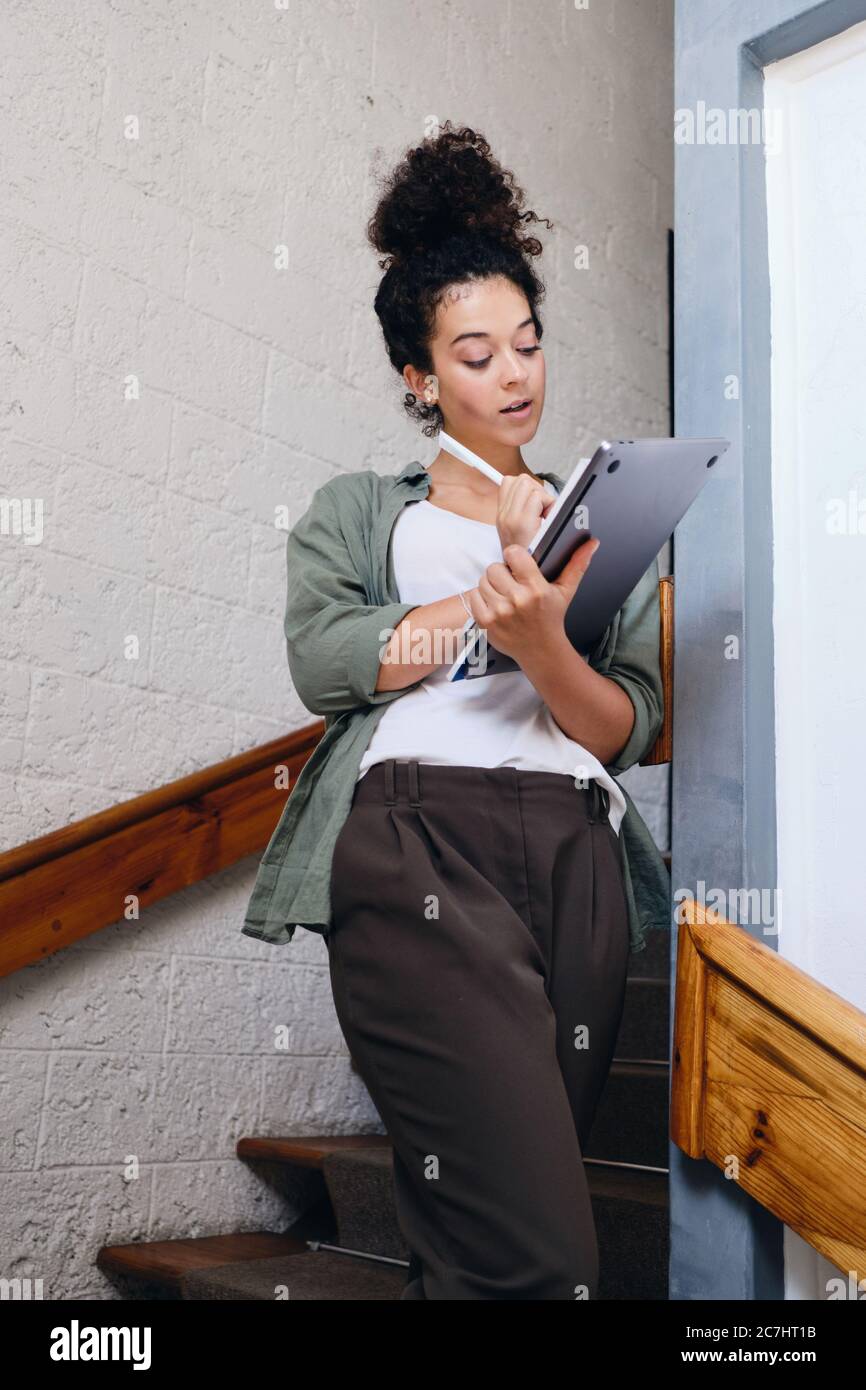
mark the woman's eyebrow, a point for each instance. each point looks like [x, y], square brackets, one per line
[461, 336]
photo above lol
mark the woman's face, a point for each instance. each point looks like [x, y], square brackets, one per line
[486, 356]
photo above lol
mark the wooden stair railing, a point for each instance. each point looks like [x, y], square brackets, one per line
[662, 750]
[72, 882]
[769, 1082]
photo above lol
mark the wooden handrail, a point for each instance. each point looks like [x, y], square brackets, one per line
[662, 750]
[68, 884]
[769, 1082]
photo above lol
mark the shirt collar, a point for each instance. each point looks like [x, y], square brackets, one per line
[414, 475]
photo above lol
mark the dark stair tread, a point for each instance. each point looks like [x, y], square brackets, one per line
[360, 1184]
[645, 1188]
[644, 1030]
[656, 988]
[655, 959]
[306, 1150]
[166, 1262]
[632, 1221]
[632, 1122]
[319, 1274]
[627, 1080]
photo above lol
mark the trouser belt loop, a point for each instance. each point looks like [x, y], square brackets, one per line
[599, 803]
[414, 783]
[390, 781]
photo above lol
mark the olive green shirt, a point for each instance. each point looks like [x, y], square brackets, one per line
[342, 606]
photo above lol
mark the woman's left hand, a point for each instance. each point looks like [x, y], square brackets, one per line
[519, 607]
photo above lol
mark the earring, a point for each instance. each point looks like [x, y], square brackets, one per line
[431, 387]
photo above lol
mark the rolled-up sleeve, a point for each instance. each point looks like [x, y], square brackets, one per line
[635, 666]
[334, 637]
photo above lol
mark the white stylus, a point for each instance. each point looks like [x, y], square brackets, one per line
[466, 456]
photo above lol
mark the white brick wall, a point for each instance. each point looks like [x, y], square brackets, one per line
[152, 259]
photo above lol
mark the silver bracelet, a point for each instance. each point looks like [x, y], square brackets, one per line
[466, 605]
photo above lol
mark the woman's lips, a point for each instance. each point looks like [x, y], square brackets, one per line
[520, 414]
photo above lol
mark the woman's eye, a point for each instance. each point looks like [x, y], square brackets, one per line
[482, 362]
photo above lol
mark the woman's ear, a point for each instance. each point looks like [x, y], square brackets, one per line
[414, 379]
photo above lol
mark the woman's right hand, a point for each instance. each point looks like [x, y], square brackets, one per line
[523, 504]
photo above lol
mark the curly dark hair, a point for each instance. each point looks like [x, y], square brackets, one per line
[449, 213]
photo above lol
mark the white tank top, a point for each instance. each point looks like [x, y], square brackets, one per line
[493, 721]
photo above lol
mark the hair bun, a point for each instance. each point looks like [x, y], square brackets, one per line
[448, 186]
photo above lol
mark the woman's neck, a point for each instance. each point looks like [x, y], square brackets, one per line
[506, 461]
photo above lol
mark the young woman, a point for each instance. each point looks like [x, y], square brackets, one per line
[462, 841]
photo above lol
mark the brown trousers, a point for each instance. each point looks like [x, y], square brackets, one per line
[478, 953]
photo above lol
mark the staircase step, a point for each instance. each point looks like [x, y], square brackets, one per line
[361, 1187]
[164, 1263]
[655, 959]
[644, 1033]
[632, 1121]
[359, 1179]
[315, 1275]
[307, 1150]
[631, 1213]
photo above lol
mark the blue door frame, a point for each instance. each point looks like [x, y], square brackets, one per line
[724, 1245]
